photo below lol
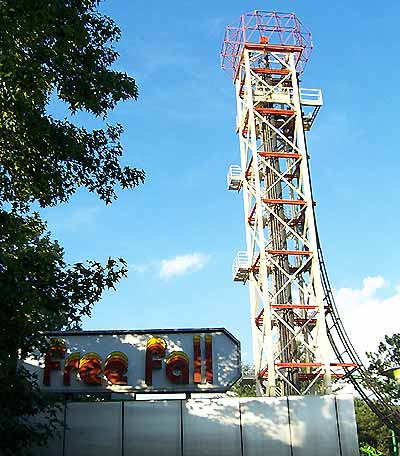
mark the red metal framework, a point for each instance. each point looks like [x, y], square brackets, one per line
[262, 27]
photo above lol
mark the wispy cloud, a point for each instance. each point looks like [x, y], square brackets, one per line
[182, 264]
[366, 315]
[83, 217]
[140, 268]
[75, 220]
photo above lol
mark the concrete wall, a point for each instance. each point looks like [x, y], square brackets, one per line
[293, 426]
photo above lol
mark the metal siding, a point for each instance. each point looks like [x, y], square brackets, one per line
[152, 428]
[313, 426]
[347, 425]
[211, 427]
[93, 428]
[265, 427]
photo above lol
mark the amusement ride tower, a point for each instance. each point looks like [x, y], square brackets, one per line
[299, 344]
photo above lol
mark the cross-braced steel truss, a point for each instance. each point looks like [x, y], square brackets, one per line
[297, 331]
[291, 349]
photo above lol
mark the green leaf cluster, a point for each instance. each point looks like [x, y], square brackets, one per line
[366, 449]
[40, 292]
[372, 433]
[51, 51]
[63, 49]
[387, 357]
[241, 388]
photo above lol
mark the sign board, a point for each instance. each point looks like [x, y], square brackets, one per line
[144, 361]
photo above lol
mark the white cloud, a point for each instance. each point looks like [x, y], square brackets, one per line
[140, 268]
[367, 316]
[183, 264]
[372, 284]
[75, 220]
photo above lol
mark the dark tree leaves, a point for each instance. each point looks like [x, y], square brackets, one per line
[61, 47]
[242, 388]
[40, 292]
[20, 401]
[371, 431]
[387, 357]
[51, 49]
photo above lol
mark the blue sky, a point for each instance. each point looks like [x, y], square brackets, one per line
[181, 131]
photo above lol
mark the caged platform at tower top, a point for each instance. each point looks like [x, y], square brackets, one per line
[260, 27]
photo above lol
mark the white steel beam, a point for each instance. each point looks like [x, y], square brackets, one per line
[280, 227]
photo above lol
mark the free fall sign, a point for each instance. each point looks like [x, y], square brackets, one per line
[147, 361]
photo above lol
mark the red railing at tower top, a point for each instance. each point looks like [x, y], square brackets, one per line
[279, 28]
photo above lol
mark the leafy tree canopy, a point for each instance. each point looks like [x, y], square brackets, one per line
[242, 388]
[61, 47]
[39, 292]
[387, 357]
[50, 49]
[373, 435]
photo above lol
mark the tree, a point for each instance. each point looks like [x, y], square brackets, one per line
[371, 431]
[50, 49]
[373, 434]
[387, 357]
[368, 450]
[62, 48]
[242, 388]
[39, 292]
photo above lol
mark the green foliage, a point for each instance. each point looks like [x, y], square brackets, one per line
[50, 47]
[369, 450]
[372, 434]
[387, 356]
[241, 388]
[20, 398]
[39, 290]
[371, 431]
[50, 50]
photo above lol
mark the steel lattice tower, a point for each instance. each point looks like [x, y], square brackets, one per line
[299, 342]
[291, 349]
